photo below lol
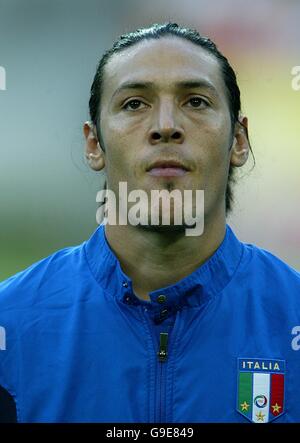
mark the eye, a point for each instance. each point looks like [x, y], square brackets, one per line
[133, 104]
[198, 102]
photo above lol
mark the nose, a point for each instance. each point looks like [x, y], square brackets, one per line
[165, 128]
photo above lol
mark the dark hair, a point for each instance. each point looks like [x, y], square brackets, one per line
[155, 32]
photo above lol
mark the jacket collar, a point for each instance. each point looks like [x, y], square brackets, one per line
[206, 281]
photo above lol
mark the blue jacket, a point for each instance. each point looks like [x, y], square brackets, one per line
[221, 345]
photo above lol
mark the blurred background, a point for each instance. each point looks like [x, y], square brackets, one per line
[50, 50]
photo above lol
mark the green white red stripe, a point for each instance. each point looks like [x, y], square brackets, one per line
[261, 397]
[261, 391]
[277, 394]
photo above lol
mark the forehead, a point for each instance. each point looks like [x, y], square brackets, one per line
[164, 61]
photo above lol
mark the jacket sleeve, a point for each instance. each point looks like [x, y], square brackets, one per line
[8, 413]
[10, 329]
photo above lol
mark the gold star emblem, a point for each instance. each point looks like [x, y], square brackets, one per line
[276, 408]
[245, 406]
[260, 416]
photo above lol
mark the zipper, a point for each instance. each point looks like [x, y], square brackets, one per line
[162, 355]
[163, 347]
[161, 363]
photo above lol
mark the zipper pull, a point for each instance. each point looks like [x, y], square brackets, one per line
[163, 347]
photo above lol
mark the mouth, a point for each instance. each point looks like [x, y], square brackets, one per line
[167, 168]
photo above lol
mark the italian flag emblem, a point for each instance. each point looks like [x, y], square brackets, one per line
[260, 389]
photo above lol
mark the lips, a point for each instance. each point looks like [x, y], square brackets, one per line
[167, 168]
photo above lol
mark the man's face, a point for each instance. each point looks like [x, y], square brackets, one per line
[173, 109]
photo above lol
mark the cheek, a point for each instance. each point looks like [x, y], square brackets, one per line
[124, 140]
[120, 159]
[121, 136]
[212, 144]
[124, 126]
[211, 148]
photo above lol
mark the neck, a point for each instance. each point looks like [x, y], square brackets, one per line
[154, 259]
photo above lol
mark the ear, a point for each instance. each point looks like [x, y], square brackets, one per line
[240, 146]
[93, 151]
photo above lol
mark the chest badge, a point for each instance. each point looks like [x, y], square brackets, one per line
[261, 382]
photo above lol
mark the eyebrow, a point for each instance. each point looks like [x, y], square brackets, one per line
[185, 84]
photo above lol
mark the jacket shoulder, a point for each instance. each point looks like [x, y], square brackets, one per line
[273, 263]
[20, 289]
[271, 274]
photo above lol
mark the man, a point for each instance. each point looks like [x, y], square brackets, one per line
[143, 323]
